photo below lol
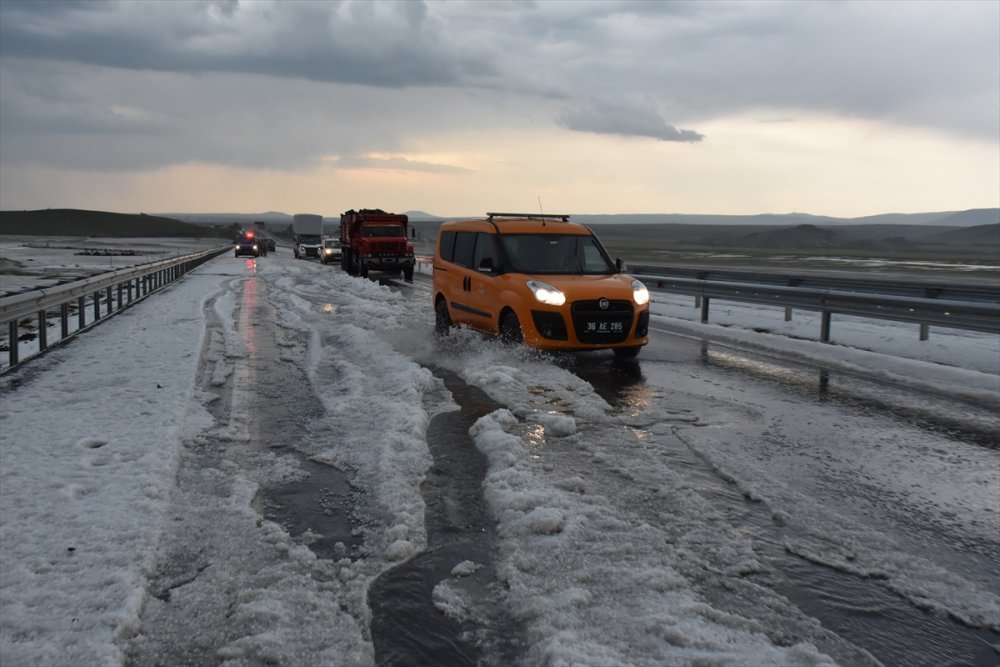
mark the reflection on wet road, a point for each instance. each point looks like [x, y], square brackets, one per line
[864, 611]
[407, 627]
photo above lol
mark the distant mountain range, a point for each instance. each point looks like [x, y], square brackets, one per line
[974, 233]
[969, 218]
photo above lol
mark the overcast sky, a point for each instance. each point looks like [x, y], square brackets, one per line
[456, 108]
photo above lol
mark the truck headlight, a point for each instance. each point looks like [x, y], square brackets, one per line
[546, 293]
[640, 293]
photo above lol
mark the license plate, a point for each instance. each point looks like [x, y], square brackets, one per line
[603, 327]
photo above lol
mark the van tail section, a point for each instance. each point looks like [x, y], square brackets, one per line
[373, 240]
[308, 231]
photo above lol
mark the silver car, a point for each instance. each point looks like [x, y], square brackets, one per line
[330, 251]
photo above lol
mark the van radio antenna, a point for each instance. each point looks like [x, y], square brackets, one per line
[540, 206]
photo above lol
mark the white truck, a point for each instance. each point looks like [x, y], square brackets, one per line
[308, 231]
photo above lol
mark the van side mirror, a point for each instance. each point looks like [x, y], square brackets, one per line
[486, 265]
[619, 265]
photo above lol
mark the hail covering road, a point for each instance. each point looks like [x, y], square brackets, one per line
[702, 505]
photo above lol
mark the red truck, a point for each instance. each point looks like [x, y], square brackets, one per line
[373, 240]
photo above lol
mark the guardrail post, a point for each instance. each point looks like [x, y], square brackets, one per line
[12, 339]
[925, 331]
[18, 311]
[788, 313]
[824, 327]
[704, 309]
[43, 333]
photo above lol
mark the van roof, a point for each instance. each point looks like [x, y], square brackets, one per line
[524, 223]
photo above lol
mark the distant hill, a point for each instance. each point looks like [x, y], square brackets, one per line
[968, 218]
[982, 241]
[799, 236]
[981, 235]
[976, 217]
[77, 222]
[273, 219]
[420, 215]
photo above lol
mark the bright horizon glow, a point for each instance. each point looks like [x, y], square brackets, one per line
[265, 106]
[862, 172]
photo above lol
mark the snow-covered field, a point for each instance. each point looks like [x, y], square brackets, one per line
[38, 262]
[92, 437]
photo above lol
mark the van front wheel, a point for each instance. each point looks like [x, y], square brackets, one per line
[510, 328]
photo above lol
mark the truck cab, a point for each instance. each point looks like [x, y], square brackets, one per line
[373, 240]
[308, 231]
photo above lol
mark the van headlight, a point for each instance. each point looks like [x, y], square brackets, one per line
[640, 293]
[546, 293]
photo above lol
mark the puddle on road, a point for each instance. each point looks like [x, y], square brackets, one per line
[313, 511]
[858, 610]
[407, 628]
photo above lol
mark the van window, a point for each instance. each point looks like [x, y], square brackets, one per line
[447, 247]
[485, 249]
[465, 243]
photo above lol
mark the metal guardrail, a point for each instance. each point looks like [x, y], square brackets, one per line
[971, 315]
[102, 295]
[871, 285]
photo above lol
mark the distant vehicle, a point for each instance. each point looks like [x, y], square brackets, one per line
[373, 240]
[537, 279]
[331, 251]
[270, 243]
[247, 243]
[308, 231]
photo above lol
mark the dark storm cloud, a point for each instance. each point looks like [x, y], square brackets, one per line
[387, 44]
[144, 83]
[624, 120]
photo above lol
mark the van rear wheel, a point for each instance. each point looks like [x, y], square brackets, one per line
[510, 329]
[442, 320]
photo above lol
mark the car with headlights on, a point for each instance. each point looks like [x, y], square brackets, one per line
[247, 243]
[537, 279]
[330, 251]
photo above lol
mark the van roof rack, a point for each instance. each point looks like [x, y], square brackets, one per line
[530, 216]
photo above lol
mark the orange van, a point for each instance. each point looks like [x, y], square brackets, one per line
[537, 279]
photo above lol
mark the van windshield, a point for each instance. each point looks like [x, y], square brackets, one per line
[556, 254]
